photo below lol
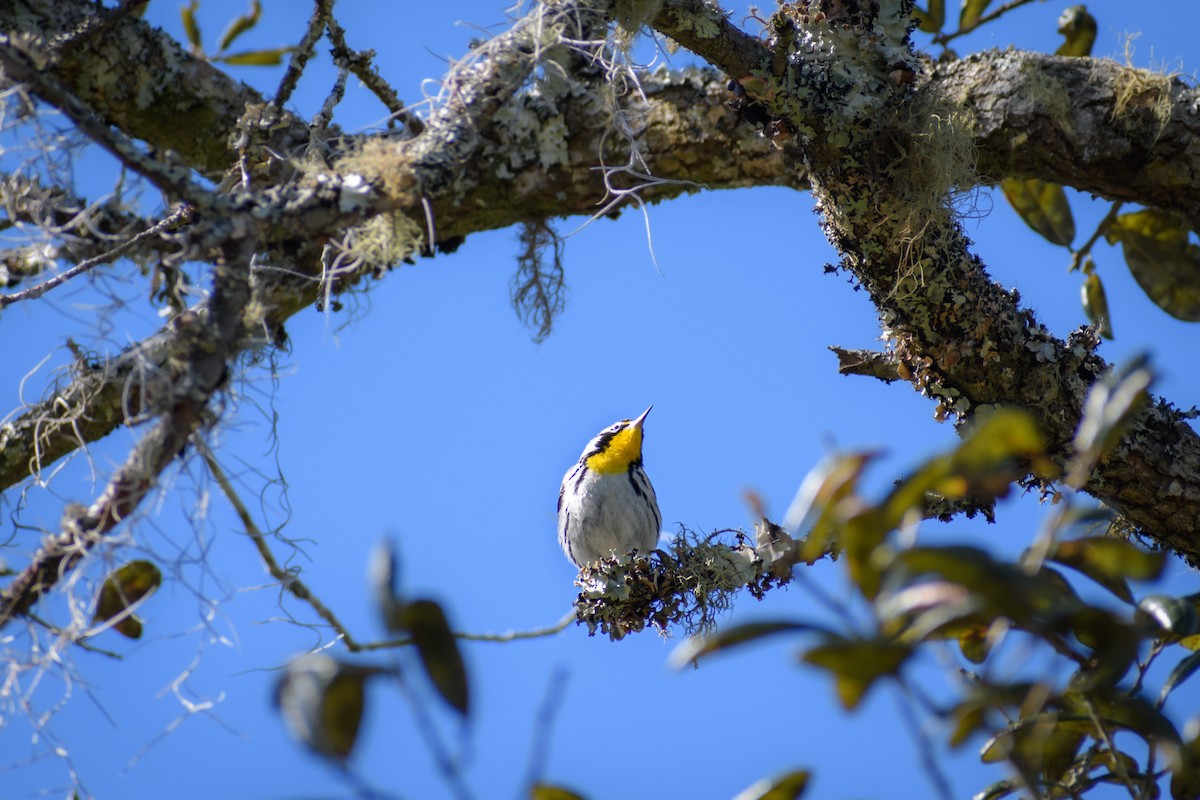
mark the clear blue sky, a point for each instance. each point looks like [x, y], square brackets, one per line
[425, 413]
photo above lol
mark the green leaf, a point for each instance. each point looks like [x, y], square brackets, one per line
[696, 648]
[986, 462]
[929, 609]
[121, 591]
[1133, 714]
[272, 57]
[1185, 777]
[1162, 260]
[1039, 603]
[970, 715]
[1183, 670]
[191, 27]
[931, 21]
[1109, 562]
[1114, 644]
[1095, 305]
[438, 648]
[1043, 206]
[856, 664]
[240, 25]
[975, 643]
[783, 787]
[1000, 789]
[816, 503]
[1079, 28]
[972, 10]
[1111, 404]
[1043, 744]
[322, 701]
[544, 791]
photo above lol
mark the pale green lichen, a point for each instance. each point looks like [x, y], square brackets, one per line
[552, 142]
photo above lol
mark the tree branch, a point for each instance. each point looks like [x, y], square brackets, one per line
[1117, 132]
[202, 350]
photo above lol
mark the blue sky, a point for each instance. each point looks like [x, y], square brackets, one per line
[425, 413]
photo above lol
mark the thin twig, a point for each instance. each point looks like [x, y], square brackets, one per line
[507, 636]
[287, 578]
[303, 52]
[1117, 766]
[180, 216]
[300, 590]
[943, 39]
[359, 63]
[1086, 248]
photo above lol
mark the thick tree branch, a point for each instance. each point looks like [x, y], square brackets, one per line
[529, 157]
[141, 81]
[964, 340]
[1117, 132]
[201, 351]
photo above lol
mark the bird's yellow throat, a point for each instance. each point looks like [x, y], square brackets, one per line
[624, 448]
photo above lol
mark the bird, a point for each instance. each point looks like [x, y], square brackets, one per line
[606, 504]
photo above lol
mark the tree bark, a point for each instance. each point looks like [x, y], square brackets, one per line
[865, 119]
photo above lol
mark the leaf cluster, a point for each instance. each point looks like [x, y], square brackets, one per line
[322, 698]
[1070, 601]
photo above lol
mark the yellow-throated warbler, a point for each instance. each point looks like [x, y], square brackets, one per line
[606, 504]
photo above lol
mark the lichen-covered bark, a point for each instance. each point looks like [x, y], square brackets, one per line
[1114, 131]
[882, 159]
[857, 108]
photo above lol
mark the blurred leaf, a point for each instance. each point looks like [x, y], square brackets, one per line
[1095, 305]
[1109, 562]
[972, 10]
[856, 664]
[1044, 744]
[1164, 263]
[930, 609]
[815, 504]
[970, 715]
[544, 791]
[1114, 645]
[863, 533]
[1132, 714]
[975, 643]
[191, 27]
[990, 457]
[121, 590]
[931, 21]
[1183, 670]
[784, 787]
[1000, 789]
[240, 25]
[271, 57]
[1175, 616]
[1111, 404]
[382, 577]
[1185, 777]
[1043, 206]
[1079, 27]
[426, 624]
[697, 647]
[1040, 603]
[322, 702]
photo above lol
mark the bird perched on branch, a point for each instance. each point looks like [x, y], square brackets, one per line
[606, 504]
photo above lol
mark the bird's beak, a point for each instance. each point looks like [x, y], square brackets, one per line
[637, 423]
